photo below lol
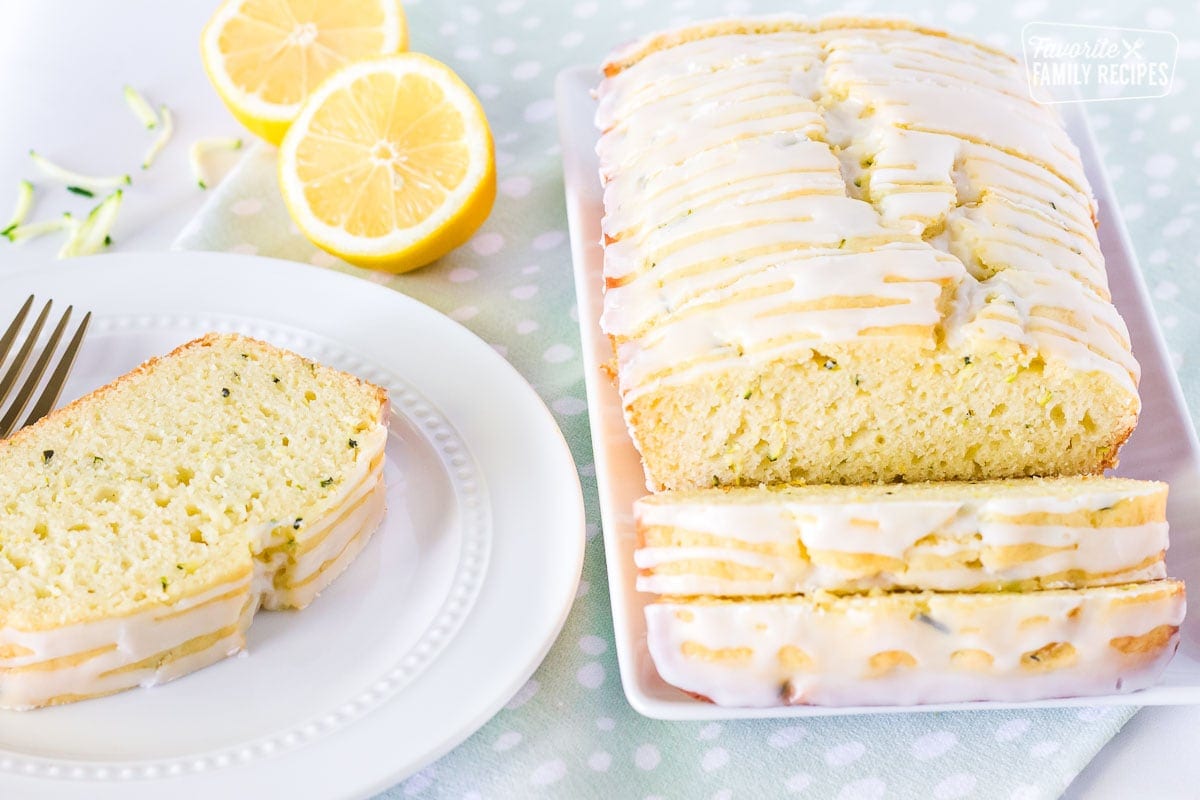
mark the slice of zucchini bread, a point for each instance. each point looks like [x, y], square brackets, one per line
[910, 648]
[1004, 535]
[142, 526]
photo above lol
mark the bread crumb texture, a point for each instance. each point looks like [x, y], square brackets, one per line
[851, 250]
[163, 484]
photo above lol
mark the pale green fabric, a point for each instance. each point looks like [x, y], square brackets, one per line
[569, 733]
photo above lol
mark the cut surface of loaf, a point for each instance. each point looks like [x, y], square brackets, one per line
[847, 251]
[904, 649]
[1016, 534]
[142, 526]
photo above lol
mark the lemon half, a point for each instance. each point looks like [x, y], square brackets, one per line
[390, 163]
[264, 57]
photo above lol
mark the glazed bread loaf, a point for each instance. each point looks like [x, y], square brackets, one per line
[851, 250]
[1005, 535]
[143, 525]
[903, 649]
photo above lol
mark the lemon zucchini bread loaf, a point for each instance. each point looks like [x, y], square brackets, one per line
[1004, 535]
[142, 526]
[851, 250]
[904, 649]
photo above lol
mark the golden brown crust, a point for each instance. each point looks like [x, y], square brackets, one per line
[192, 646]
[1113, 458]
[207, 340]
[696, 696]
[626, 56]
[1148, 644]
[61, 662]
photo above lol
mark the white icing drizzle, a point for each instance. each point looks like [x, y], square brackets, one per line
[24, 683]
[675, 69]
[282, 568]
[755, 325]
[1003, 308]
[754, 169]
[317, 568]
[738, 162]
[743, 640]
[339, 535]
[1110, 554]
[967, 529]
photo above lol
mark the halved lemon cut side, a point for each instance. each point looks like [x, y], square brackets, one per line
[390, 164]
[264, 57]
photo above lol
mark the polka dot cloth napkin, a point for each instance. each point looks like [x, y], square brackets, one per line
[569, 732]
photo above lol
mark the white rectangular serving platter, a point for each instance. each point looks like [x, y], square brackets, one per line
[1164, 446]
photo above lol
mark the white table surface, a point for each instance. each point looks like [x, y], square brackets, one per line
[63, 64]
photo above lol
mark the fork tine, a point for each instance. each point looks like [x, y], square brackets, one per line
[10, 335]
[59, 378]
[18, 364]
[9, 423]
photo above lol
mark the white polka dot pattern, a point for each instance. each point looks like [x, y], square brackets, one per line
[548, 773]
[786, 737]
[1012, 729]
[592, 645]
[591, 675]
[714, 759]
[516, 187]
[844, 754]
[647, 757]
[507, 741]
[487, 244]
[569, 406]
[568, 732]
[932, 745]
[524, 694]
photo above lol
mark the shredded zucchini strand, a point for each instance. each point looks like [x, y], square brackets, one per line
[93, 234]
[160, 141]
[200, 148]
[141, 108]
[21, 210]
[72, 178]
[33, 230]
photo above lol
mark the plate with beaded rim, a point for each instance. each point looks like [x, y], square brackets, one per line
[379, 675]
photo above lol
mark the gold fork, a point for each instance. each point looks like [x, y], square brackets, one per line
[54, 386]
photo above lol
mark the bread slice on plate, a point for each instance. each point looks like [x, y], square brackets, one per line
[1016, 534]
[910, 648]
[143, 525]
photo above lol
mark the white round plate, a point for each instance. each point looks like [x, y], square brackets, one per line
[434, 627]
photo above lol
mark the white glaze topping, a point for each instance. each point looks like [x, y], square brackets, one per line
[347, 537]
[288, 557]
[916, 532]
[748, 176]
[731, 652]
[27, 681]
